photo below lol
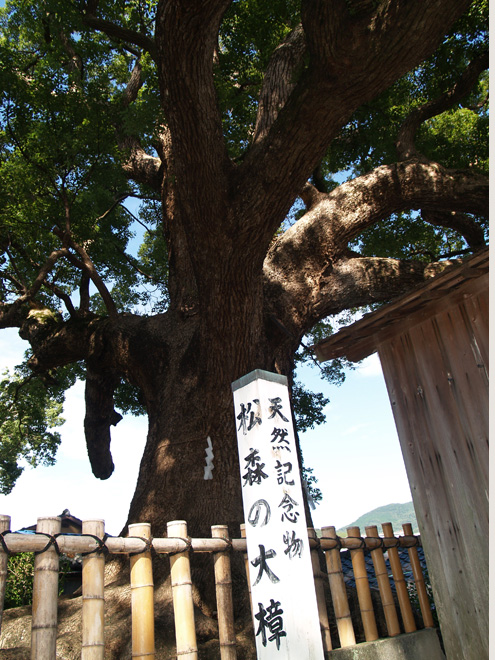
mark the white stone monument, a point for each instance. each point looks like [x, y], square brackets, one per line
[286, 622]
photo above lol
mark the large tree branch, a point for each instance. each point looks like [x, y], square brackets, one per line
[120, 33]
[473, 234]
[186, 35]
[302, 264]
[279, 80]
[352, 59]
[350, 282]
[139, 165]
[407, 132]
[407, 185]
[360, 281]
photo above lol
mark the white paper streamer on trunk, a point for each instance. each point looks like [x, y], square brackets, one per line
[209, 460]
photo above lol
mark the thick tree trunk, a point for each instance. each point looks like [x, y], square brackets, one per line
[187, 407]
[171, 484]
[189, 402]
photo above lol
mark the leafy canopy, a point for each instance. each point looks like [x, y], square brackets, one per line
[63, 105]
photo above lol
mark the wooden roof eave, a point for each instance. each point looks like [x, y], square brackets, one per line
[363, 337]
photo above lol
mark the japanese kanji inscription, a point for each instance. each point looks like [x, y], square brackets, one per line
[282, 586]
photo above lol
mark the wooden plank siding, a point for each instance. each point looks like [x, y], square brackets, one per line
[435, 363]
[437, 384]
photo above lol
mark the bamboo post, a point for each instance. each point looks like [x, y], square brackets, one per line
[225, 603]
[4, 558]
[391, 618]
[320, 596]
[246, 564]
[363, 589]
[400, 583]
[180, 573]
[143, 622]
[93, 597]
[45, 594]
[424, 602]
[338, 591]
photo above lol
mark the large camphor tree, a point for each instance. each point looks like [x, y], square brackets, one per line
[292, 160]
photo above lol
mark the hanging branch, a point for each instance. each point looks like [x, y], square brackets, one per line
[100, 415]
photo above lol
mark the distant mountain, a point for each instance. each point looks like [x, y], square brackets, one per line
[397, 514]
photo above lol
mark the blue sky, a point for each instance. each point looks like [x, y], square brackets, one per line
[355, 455]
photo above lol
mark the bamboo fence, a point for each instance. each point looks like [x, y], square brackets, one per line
[93, 544]
[93, 599]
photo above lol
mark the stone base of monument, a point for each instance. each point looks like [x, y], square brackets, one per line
[422, 644]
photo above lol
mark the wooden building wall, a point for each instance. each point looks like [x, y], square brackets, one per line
[436, 369]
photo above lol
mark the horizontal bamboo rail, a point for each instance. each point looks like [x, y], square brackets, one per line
[94, 545]
[69, 543]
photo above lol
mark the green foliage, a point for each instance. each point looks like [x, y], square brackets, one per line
[407, 236]
[61, 101]
[20, 573]
[30, 408]
[128, 400]
[458, 138]
[332, 371]
[250, 32]
[308, 407]
[310, 482]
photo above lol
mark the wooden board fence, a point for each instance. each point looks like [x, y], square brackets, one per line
[48, 543]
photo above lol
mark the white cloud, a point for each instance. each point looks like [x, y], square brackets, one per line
[370, 367]
[356, 428]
